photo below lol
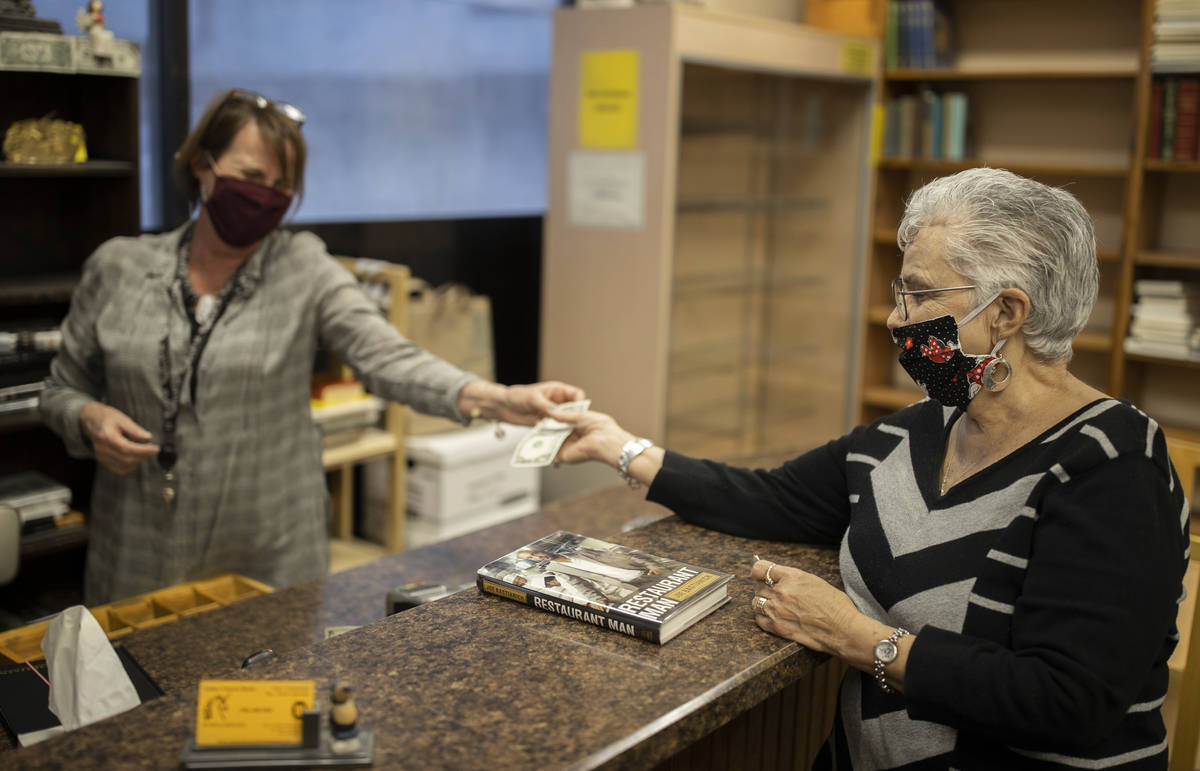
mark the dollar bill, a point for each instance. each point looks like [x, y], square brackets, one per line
[540, 446]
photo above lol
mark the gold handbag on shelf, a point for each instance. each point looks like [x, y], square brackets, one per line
[45, 140]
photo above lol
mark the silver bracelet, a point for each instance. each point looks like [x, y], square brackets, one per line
[632, 449]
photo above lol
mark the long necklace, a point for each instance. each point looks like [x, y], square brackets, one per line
[946, 463]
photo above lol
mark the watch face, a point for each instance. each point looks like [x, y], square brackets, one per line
[885, 651]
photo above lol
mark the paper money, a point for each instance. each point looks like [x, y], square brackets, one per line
[540, 446]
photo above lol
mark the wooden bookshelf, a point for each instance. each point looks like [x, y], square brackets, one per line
[1007, 73]
[1067, 104]
[754, 135]
[52, 217]
[941, 167]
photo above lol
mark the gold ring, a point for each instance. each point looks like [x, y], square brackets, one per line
[767, 577]
[760, 605]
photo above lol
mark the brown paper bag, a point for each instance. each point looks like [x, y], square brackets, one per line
[455, 325]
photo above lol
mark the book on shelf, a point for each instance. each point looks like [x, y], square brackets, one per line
[1156, 117]
[1166, 319]
[891, 40]
[614, 587]
[1163, 287]
[929, 125]
[954, 133]
[1167, 152]
[1163, 350]
[1187, 104]
[919, 34]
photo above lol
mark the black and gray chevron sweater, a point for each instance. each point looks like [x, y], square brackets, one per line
[1043, 590]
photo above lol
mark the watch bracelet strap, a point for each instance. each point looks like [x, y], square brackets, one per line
[632, 449]
[880, 676]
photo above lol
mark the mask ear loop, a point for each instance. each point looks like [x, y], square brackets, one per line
[995, 359]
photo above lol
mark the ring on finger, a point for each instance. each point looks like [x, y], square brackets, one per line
[760, 605]
[767, 577]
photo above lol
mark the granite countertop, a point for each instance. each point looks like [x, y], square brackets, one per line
[473, 681]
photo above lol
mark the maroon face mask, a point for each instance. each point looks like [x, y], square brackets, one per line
[244, 212]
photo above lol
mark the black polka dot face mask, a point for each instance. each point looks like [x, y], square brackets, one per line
[932, 356]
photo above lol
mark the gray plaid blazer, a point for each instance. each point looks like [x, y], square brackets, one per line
[251, 495]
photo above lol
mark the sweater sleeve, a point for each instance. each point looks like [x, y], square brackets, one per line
[805, 500]
[388, 364]
[77, 371]
[1097, 602]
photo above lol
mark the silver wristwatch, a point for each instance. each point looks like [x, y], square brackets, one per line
[632, 449]
[885, 653]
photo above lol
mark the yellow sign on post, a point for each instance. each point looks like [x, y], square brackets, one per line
[608, 99]
[241, 712]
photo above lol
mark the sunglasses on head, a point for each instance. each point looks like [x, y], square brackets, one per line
[289, 111]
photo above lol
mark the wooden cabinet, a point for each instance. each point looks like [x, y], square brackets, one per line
[700, 269]
[53, 216]
[1058, 91]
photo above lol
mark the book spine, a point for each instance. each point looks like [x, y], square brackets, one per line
[1187, 104]
[957, 136]
[943, 34]
[1168, 120]
[937, 120]
[892, 41]
[1156, 118]
[907, 131]
[891, 129]
[617, 622]
[927, 43]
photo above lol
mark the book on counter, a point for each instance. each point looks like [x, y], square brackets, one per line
[615, 587]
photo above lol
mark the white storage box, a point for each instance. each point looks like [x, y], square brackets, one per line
[465, 477]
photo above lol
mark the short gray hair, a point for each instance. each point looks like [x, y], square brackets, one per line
[1004, 231]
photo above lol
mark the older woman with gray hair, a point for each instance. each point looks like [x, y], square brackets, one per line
[1012, 547]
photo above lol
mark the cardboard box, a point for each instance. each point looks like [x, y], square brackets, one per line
[461, 474]
[457, 481]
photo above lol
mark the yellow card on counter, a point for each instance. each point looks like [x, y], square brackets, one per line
[608, 99]
[238, 712]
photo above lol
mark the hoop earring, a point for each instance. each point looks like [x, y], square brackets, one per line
[988, 377]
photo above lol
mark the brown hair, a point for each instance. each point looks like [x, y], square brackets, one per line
[221, 122]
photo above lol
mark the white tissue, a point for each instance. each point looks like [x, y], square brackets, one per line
[87, 681]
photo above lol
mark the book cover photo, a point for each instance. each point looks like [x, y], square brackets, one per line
[611, 586]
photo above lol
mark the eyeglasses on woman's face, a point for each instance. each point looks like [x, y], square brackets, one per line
[289, 111]
[900, 294]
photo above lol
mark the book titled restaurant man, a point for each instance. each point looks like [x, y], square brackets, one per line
[612, 586]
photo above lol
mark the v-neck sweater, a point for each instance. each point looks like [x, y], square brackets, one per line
[1042, 590]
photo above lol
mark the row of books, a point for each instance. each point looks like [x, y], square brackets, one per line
[918, 34]
[1174, 113]
[1165, 319]
[926, 125]
[1176, 45]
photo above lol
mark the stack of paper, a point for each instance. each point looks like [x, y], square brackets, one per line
[1166, 319]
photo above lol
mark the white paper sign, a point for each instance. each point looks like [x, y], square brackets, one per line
[605, 189]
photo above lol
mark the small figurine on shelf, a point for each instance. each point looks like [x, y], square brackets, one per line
[343, 716]
[90, 19]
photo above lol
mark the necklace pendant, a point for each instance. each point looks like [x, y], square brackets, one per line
[168, 491]
[204, 308]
